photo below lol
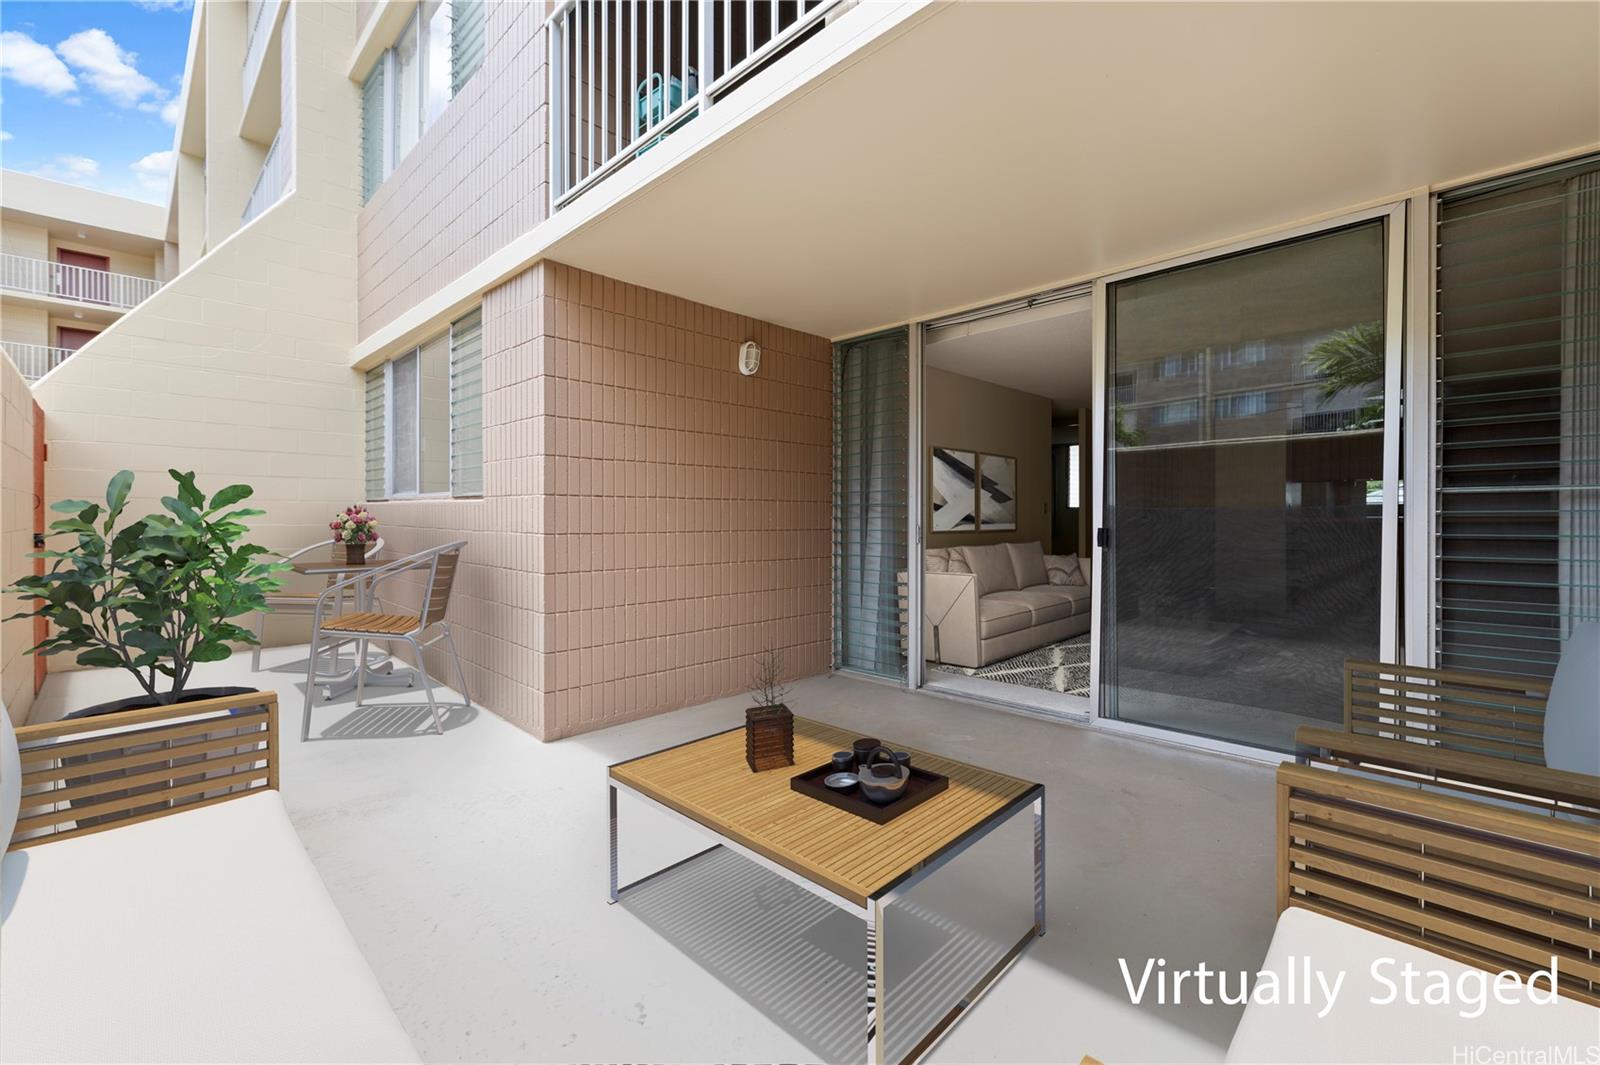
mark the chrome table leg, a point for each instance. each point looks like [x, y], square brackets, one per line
[611, 792]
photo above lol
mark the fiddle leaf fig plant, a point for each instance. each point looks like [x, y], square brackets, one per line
[157, 595]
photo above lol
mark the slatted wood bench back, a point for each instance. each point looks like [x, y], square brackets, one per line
[1482, 713]
[1489, 886]
[88, 775]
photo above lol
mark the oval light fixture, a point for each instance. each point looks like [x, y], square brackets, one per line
[749, 357]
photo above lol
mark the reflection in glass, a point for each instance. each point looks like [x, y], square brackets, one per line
[1244, 487]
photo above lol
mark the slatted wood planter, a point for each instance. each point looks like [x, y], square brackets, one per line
[768, 737]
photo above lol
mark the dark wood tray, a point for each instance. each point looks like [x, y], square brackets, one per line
[922, 786]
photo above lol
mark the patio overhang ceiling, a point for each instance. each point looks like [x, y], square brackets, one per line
[981, 150]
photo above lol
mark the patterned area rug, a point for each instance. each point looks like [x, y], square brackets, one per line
[1059, 667]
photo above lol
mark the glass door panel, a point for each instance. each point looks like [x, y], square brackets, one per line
[1244, 487]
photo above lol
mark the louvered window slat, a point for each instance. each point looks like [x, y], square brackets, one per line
[466, 41]
[372, 135]
[1517, 379]
[871, 406]
[466, 405]
[376, 487]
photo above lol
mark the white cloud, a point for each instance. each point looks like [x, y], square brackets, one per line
[5, 135]
[153, 171]
[73, 169]
[170, 111]
[165, 5]
[27, 62]
[109, 68]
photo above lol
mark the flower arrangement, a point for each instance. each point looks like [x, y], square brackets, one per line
[355, 528]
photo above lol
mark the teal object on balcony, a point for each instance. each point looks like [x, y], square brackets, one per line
[656, 98]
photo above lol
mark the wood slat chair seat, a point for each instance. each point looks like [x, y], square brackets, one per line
[371, 624]
[438, 567]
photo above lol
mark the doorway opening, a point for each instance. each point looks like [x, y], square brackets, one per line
[1005, 468]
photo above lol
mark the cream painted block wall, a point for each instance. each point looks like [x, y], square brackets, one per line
[19, 238]
[237, 369]
[24, 325]
[16, 537]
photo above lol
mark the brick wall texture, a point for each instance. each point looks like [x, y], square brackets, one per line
[652, 519]
[477, 178]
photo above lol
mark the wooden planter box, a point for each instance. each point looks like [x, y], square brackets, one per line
[768, 737]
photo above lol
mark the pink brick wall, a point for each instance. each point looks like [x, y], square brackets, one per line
[478, 177]
[652, 518]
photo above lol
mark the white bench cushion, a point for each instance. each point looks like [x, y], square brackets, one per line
[203, 936]
[1358, 1030]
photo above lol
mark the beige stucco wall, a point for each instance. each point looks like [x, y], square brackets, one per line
[25, 325]
[20, 238]
[972, 415]
[652, 519]
[476, 179]
[237, 369]
[16, 537]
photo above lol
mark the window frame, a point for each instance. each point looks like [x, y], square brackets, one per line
[391, 154]
[391, 492]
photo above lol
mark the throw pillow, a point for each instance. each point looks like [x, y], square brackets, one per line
[991, 566]
[1063, 569]
[1028, 562]
[936, 560]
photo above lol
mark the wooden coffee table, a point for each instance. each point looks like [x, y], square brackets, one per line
[851, 862]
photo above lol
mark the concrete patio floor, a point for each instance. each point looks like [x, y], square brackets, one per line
[471, 868]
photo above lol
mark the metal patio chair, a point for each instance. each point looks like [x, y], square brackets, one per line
[297, 603]
[439, 566]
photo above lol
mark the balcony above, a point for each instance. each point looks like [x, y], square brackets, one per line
[623, 76]
[53, 284]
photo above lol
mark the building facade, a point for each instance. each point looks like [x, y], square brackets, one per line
[489, 267]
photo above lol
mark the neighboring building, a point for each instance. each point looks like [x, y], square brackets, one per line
[489, 266]
[72, 261]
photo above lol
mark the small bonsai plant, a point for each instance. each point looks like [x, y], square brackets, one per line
[769, 724]
[155, 596]
[766, 683]
[355, 528]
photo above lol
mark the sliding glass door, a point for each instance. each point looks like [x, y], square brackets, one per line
[1249, 455]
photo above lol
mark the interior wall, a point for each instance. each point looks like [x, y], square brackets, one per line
[16, 537]
[967, 414]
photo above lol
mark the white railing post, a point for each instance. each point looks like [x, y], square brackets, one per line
[33, 361]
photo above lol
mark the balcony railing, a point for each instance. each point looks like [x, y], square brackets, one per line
[273, 179]
[624, 75]
[41, 277]
[35, 360]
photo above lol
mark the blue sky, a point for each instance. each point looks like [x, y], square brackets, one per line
[89, 90]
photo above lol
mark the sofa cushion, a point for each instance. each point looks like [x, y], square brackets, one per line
[991, 565]
[936, 560]
[1003, 613]
[1050, 602]
[1064, 569]
[1027, 561]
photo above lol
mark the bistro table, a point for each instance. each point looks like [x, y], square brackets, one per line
[857, 865]
[336, 566]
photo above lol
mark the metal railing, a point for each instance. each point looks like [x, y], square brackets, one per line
[273, 179]
[33, 361]
[41, 277]
[624, 75]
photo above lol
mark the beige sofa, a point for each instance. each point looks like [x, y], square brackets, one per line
[982, 604]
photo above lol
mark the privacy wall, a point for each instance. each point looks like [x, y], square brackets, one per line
[16, 536]
[652, 519]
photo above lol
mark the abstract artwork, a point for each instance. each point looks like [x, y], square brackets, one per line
[997, 493]
[951, 496]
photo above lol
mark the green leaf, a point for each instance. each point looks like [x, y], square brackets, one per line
[210, 651]
[99, 656]
[231, 495]
[186, 489]
[182, 509]
[71, 506]
[117, 491]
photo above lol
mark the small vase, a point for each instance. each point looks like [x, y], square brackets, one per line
[355, 554]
